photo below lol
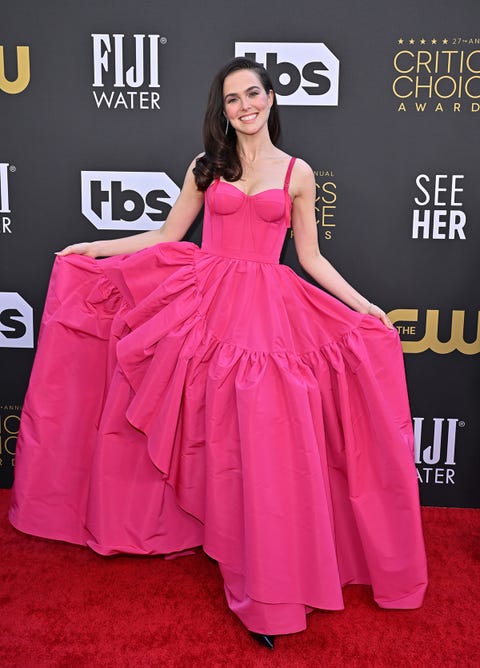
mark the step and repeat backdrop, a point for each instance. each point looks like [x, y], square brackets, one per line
[101, 107]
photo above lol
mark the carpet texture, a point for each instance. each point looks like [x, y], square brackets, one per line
[64, 606]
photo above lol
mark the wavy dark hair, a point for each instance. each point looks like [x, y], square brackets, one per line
[221, 157]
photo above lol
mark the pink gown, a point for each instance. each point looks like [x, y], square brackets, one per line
[186, 396]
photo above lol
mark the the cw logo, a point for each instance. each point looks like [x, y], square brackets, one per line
[430, 340]
[23, 71]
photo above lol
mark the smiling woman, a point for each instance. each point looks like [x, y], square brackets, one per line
[241, 89]
[226, 402]
[249, 107]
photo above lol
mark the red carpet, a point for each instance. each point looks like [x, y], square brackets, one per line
[63, 606]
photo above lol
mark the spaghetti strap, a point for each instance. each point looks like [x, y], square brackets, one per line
[288, 201]
[289, 173]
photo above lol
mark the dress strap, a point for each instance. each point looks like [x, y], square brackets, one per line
[288, 201]
[213, 186]
[288, 174]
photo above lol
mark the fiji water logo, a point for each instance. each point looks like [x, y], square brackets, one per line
[435, 449]
[5, 206]
[126, 71]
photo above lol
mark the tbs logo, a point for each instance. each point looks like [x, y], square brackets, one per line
[127, 200]
[301, 74]
[16, 321]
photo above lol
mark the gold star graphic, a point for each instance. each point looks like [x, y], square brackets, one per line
[400, 41]
[434, 41]
[444, 40]
[423, 41]
[411, 41]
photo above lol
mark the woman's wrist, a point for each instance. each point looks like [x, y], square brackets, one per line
[364, 306]
[97, 249]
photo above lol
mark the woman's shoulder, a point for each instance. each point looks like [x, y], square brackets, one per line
[196, 159]
[301, 167]
[302, 180]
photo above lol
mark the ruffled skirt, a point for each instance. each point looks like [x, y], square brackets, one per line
[180, 398]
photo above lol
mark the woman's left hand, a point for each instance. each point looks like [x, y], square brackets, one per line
[377, 312]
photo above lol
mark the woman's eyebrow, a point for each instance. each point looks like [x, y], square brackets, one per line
[246, 91]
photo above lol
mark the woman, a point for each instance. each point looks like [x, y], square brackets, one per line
[184, 396]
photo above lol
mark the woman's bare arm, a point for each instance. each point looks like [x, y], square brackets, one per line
[306, 243]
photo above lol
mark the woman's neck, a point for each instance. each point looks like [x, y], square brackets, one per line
[252, 148]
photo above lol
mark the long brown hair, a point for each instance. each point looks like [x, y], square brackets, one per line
[221, 157]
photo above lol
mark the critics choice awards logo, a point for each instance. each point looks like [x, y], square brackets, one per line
[326, 202]
[127, 200]
[435, 449]
[302, 74]
[15, 73]
[9, 428]
[437, 74]
[16, 321]
[126, 71]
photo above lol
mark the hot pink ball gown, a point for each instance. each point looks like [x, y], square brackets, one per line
[186, 396]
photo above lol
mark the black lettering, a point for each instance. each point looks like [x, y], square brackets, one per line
[276, 69]
[120, 198]
[322, 83]
[16, 329]
[155, 200]
[252, 57]
[97, 196]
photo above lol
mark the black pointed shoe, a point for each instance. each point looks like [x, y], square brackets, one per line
[266, 641]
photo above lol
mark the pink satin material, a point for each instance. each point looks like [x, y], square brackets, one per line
[184, 396]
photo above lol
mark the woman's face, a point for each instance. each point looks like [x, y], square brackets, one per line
[246, 103]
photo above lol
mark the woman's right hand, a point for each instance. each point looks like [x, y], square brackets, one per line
[84, 248]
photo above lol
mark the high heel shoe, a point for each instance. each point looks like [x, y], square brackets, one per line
[266, 641]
